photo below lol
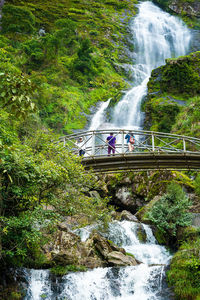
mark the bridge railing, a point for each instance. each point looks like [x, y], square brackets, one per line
[94, 142]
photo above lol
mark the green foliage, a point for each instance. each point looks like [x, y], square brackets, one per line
[185, 271]
[17, 19]
[197, 185]
[35, 176]
[172, 105]
[71, 69]
[63, 270]
[170, 212]
[187, 122]
[15, 93]
[84, 64]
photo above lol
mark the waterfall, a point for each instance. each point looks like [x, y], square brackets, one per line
[157, 35]
[99, 116]
[145, 281]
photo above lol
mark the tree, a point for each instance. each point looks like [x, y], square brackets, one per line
[40, 182]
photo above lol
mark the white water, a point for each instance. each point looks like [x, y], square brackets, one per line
[142, 282]
[157, 36]
[99, 116]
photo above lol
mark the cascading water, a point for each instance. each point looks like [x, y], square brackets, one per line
[144, 281]
[157, 36]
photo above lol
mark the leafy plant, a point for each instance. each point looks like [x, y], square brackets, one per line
[16, 92]
[170, 211]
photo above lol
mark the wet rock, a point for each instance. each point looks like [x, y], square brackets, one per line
[66, 248]
[126, 215]
[141, 233]
[124, 198]
[141, 214]
[119, 259]
[103, 246]
[196, 220]
[190, 8]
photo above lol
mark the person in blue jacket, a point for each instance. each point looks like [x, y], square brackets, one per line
[130, 139]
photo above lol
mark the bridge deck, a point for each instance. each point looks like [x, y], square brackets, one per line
[152, 150]
[143, 161]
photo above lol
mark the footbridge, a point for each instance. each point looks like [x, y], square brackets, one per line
[152, 150]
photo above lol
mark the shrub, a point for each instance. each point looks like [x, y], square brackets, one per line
[185, 271]
[170, 211]
[17, 19]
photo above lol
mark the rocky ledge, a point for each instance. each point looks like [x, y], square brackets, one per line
[66, 248]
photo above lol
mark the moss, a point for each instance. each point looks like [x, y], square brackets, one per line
[141, 234]
[130, 254]
[184, 271]
[160, 237]
[63, 270]
[15, 296]
[169, 100]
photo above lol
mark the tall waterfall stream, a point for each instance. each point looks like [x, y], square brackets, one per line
[156, 36]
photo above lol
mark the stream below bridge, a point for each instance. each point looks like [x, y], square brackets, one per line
[143, 282]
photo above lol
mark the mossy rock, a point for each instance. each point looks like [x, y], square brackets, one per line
[184, 271]
[63, 270]
[160, 237]
[142, 213]
[141, 234]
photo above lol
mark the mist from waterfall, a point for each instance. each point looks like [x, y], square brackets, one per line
[156, 35]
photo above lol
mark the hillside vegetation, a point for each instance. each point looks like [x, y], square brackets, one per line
[49, 80]
[75, 63]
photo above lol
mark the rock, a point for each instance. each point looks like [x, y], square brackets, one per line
[94, 194]
[66, 248]
[190, 8]
[196, 220]
[141, 214]
[141, 233]
[103, 246]
[119, 259]
[61, 243]
[124, 198]
[65, 258]
[126, 215]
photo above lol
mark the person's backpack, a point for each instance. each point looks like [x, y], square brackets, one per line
[132, 140]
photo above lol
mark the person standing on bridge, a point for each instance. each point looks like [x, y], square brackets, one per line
[81, 146]
[111, 140]
[130, 141]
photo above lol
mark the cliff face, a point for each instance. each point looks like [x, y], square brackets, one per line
[174, 95]
[190, 8]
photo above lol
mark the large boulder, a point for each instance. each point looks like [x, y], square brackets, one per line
[126, 215]
[116, 258]
[66, 248]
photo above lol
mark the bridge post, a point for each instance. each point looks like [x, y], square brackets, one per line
[122, 141]
[184, 145]
[93, 143]
[153, 143]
